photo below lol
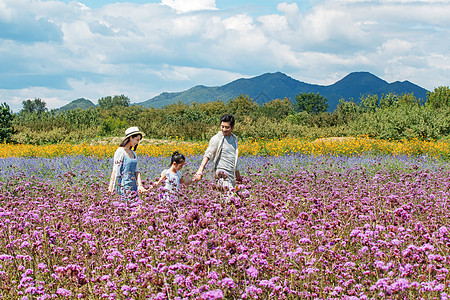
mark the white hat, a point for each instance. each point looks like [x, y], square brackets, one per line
[132, 131]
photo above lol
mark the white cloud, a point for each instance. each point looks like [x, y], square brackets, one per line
[143, 50]
[190, 5]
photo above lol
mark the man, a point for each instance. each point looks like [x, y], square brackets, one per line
[223, 152]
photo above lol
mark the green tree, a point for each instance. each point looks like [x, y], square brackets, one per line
[242, 105]
[36, 105]
[110, 102]
[310, 103]
[440, 97]
[347, 111]
[6, 128]
[369, 103]
[277, 108]
[408, 100]
[213, 109]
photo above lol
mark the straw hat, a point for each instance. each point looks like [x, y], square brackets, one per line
[132, 131]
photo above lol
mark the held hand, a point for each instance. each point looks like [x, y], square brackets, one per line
[238, 177]
[141, 189]
[197, 177]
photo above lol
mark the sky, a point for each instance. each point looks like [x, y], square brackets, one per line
[60, 51]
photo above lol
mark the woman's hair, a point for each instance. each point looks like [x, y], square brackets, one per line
[126, 140]
[177, 157]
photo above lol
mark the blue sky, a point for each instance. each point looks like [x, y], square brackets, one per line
[63, 50]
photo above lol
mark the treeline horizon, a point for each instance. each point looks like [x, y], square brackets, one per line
[390, 116]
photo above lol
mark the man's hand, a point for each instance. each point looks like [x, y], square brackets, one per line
[197, 177]
[238, 176]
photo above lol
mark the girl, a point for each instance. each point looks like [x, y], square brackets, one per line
[172, 177]
[125, 177]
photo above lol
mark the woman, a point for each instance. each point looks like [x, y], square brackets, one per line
[125, 177]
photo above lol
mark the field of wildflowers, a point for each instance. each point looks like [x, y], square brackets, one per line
[305, 225]
[273, 147]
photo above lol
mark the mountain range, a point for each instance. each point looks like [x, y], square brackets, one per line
[269, 86]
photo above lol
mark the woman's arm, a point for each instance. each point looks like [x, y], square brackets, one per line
[140, 187]
[117, 162]
[111, 181]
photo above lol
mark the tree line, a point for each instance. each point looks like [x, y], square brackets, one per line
[390, 116]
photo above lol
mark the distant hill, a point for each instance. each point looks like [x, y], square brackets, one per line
[271, 86]
[78, 103]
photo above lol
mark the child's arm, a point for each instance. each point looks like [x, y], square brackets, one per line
[161, 179]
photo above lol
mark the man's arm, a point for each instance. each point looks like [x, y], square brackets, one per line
[201, 168]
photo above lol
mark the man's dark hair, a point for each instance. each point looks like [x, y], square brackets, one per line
[227, 118]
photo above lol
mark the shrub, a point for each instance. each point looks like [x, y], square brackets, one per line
[6, 127]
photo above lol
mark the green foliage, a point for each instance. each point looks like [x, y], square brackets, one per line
[369, 103]
[211, 109]
[110, 102]
[34, 106]
[440, 97]
[263, 127]
[390, 116]
[396, 123]
[242, 106]
[6, 127]
[372, 103]
[300, 118]
[77, 119]
[311, 103]
[277, 109]
[111, 125]
[347, 111]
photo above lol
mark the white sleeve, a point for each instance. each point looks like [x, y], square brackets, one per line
[118, 159]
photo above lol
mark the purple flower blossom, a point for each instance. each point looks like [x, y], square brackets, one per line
[227, 283]
[360, 238]
[211, 295]
[252, 271]
[63, 292]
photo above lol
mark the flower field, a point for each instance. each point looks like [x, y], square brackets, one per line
[301, 226]
[331, 146]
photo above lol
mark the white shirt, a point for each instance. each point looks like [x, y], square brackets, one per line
[172, 182]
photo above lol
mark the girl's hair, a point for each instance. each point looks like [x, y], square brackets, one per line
[177, 157]
[126, 140]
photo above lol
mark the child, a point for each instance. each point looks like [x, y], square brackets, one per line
[172, 177]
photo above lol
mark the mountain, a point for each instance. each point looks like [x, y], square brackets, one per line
[78, 103]
[269, 86]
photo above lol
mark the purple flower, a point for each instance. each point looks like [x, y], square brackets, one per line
[227, 282]
[211, 295]
[304, 241]
[132, 266]
[63, 292]
[443, 230]
[252, 271]
[31, 290]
